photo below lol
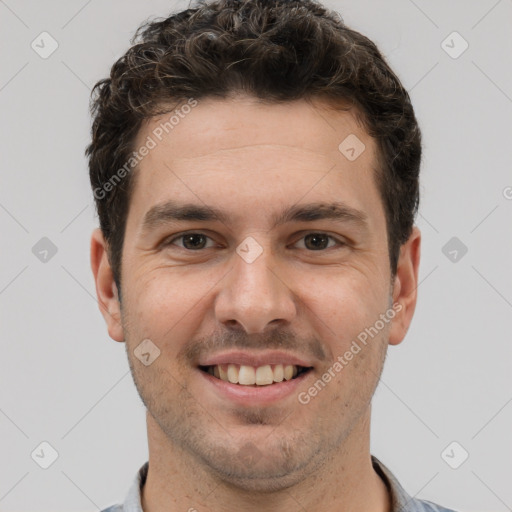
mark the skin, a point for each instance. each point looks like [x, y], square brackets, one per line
[253, 160]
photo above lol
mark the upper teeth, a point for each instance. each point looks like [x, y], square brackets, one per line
[249, 375]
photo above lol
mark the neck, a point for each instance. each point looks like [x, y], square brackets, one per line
[345, 481]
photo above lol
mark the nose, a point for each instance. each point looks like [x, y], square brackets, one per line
[255, 295]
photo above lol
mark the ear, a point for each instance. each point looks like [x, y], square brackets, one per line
[106, 289]
[405, 287]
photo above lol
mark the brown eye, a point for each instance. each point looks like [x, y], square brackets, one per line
[190, 241]
[194, 241]
[319, 241]
[316, 241]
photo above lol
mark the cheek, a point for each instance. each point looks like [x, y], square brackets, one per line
[164, 304]
[343, 303]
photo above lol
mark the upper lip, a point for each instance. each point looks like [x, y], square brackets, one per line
[255, 359]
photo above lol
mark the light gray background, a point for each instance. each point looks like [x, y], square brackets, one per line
[66, 382]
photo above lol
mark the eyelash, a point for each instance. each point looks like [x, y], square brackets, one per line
[170, 241]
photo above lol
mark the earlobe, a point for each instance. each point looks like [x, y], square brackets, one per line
[405, 287]
[106, 289]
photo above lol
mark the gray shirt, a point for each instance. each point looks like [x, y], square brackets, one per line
[400, 500]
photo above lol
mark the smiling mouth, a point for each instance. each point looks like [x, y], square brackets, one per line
[265, 375]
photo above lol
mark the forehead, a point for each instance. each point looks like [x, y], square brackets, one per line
[249, 153]
[242, 121]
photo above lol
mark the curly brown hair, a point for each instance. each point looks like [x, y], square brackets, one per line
[274, 50]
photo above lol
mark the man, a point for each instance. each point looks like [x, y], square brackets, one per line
[255, 167]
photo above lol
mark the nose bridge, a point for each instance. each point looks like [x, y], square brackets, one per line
[252, 295]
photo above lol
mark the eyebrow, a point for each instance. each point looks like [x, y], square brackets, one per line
[172, 211]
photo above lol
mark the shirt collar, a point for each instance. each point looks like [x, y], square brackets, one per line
[132, 503]
[400, 499]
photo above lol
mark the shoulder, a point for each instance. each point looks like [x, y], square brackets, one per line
[401, 501]
[424, 506]
[113, 508]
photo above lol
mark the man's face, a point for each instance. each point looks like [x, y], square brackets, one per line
[252, 292]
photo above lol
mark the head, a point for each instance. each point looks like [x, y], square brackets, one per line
[242, 123]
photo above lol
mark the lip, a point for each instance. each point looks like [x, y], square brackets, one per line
[254, 359]
[255, 395]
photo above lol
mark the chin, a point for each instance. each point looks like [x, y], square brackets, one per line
[263, 479]
[256, 467]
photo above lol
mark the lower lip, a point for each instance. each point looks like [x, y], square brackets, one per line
[256, 395]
